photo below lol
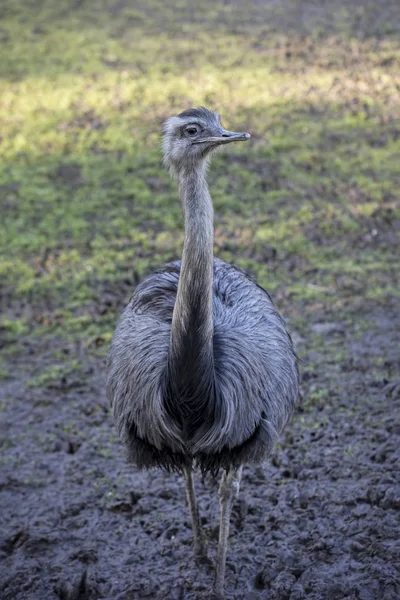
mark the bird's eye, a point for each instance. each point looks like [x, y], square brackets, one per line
[191, 130]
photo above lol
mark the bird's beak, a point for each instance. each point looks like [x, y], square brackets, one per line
[225, 137]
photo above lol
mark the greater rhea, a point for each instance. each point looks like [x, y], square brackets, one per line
[202, 371]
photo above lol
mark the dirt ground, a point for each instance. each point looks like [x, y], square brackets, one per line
[319, 521]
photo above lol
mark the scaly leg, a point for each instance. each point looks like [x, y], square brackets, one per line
[229, 487]
[199, 546]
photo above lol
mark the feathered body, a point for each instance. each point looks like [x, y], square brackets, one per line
[225, 414]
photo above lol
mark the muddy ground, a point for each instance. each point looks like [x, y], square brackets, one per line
[319, 521]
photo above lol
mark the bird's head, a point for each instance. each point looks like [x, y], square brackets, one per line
[191, 136]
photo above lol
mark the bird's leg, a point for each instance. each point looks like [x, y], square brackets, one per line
[199, 546]
[229, 487]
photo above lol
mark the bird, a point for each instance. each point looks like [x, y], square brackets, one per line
[202, 372]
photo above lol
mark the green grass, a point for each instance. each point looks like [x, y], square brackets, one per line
[309, 206]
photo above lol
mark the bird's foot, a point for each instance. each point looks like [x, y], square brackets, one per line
[216, 594]
[210, 594]
[392, 390]
[218, 589]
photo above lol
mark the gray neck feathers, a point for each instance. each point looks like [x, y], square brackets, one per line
[194, 298]
[191, 350]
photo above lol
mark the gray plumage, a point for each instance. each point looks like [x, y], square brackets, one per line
[228, 409]
[202, 368]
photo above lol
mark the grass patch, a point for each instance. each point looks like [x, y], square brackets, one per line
[310, 207]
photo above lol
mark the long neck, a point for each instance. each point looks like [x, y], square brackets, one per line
[191, 348]
[192, 318]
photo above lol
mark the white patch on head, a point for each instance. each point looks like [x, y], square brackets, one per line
[173, 123]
